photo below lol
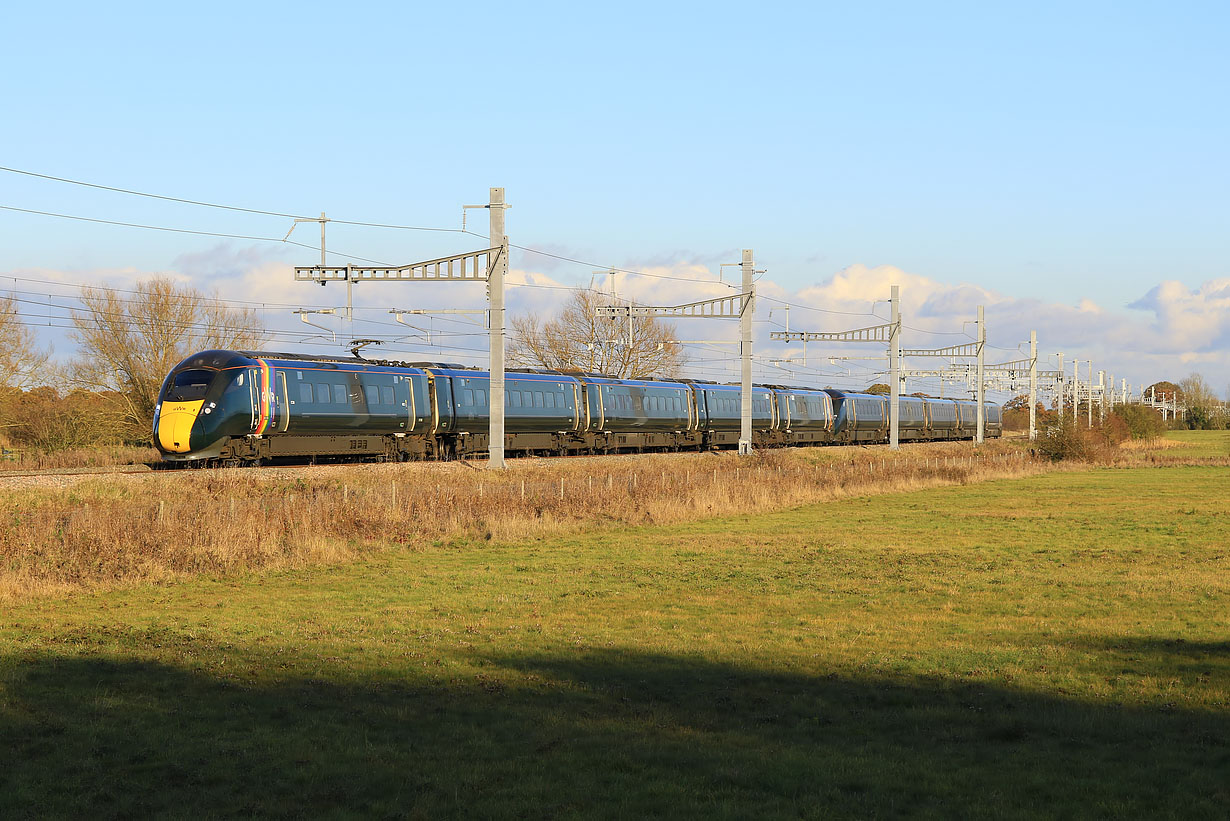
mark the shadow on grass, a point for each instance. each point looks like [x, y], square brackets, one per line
[601, 733]
[1153, 650]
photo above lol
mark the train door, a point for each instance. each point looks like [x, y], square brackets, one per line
[696, 409]
[271, 405]
[594, 410]
[254, 395]
[281, 402]
[443, 404]
[403, 402]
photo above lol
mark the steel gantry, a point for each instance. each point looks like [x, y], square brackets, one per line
[887, 334]
[740, 306]
[968, 350]
[489, 265]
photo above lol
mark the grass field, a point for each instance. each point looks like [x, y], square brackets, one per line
[1202, 443]
[1054, 645]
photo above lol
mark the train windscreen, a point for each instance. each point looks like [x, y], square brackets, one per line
[189, 386]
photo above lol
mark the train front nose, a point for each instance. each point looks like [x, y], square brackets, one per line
[175, 421]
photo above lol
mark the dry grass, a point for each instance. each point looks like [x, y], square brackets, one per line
[102, 456]
[94, 532]
[98, 532]
[1150, 444]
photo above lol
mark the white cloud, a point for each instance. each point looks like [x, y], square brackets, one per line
[1188, 327]
[1169, 332]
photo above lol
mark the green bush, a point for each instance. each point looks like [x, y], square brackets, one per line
[1142, 422]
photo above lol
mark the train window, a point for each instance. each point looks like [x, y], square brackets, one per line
[305, 392]
[386, 395]
[372, 394]
[189, 386]
[467, 397]
[538, 399]
[514, 397]
[480, 397]
[339, 394]
[322, 393]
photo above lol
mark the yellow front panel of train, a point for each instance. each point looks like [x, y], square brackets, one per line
[175, 425]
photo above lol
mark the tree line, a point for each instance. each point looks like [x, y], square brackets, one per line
[127, 342]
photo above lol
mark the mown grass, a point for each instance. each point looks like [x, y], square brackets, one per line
[1202, 443]
[1048, 646]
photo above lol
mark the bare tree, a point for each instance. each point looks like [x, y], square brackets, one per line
[130, 341]
[1197, 392]
[578, 339]
[22, 362]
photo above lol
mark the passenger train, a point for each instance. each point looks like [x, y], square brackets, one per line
[233, 407]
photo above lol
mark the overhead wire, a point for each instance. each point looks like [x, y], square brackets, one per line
[225, 207]
[286, 240]
[222, 234]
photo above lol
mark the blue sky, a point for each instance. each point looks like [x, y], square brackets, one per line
[1051, 155]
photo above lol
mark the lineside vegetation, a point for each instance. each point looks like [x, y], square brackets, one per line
[1046, 646]
[104, 531]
